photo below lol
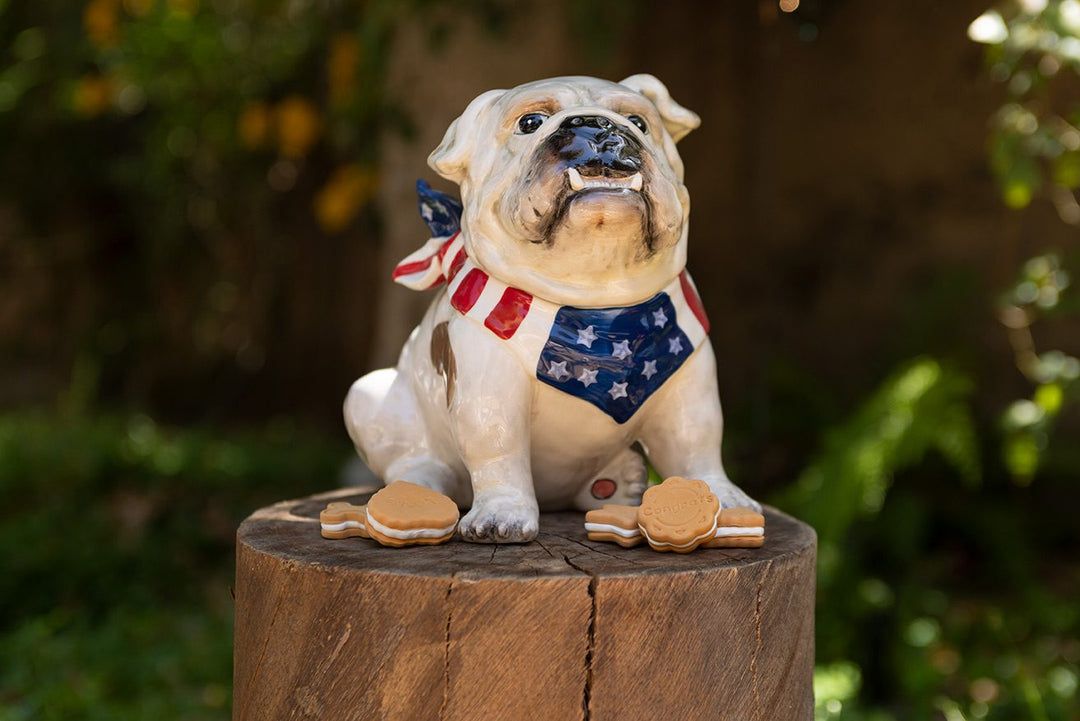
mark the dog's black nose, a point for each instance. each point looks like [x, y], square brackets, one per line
[598, 146]
[588, 121]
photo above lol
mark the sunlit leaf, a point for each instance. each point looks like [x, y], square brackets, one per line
[1021, 456]
[833, 685]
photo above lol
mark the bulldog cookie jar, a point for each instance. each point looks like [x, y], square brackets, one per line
[568, 329]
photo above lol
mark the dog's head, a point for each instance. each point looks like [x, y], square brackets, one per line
[572, 187]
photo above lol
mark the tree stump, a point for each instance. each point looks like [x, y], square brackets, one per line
[561, 628]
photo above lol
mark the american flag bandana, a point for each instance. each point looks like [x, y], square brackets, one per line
[613, 358]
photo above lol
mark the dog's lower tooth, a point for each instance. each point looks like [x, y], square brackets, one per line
[635, 182]
[576, 181]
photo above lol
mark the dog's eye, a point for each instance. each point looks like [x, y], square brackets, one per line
[639, 122]
[531, 122]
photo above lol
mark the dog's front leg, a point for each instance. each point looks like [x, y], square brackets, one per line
[684, 428]
[489, 416]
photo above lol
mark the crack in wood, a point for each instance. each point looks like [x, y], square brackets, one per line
[757, 646]
[262, 655]
[446, 646]
[590, 640]
[625, 559]
[548, 550]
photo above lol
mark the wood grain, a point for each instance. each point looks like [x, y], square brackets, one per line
[561, 628]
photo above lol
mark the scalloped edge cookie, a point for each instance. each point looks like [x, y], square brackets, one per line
[678, 515]
[406, 514]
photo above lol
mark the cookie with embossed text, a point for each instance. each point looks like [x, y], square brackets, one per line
[678, 515]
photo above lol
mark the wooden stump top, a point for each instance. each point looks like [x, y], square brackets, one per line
[290, 531]
[560, 628]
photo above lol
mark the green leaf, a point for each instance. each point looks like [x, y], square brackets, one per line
[1049, 397]
[920, 408]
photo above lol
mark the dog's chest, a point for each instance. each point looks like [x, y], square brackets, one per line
[612, 358]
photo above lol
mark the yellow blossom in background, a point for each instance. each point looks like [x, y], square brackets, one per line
[341, 67]
[298, 126]
[92, 95]
[101, 22]
[339, 201]
[139, 8]
[253, 125]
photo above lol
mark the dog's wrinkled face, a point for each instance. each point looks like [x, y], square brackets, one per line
[572, 187]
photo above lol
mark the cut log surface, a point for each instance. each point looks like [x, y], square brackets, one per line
[560, 628]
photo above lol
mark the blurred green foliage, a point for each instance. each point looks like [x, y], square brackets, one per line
[947, 580]
[209, 105]
[1035, 144]
[1033, 48]
[1028, 423]
[933, 594]
[176, 160]
[118, 538]
[922, 407]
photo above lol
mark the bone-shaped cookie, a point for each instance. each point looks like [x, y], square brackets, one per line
[344, 520]
[738, 528]
[735, 527]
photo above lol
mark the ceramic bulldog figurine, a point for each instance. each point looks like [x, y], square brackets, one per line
[568, 329]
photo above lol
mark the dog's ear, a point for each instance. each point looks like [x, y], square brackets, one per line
[678, 120]
[451, 158]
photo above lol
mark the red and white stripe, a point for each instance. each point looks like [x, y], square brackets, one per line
[688, 299]
[501, 308]
[438, 260]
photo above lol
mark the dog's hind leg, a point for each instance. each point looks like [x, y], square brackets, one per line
[387, 428]
[621, 482]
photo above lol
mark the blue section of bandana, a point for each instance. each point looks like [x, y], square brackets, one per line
[614, 358]
[440, 211]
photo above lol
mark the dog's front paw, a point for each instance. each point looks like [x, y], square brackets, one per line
[502, 519]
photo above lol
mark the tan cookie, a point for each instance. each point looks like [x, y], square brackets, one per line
[617, 524]
[678, 515]
[343, 520]
[738, 528]
[405, 514]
